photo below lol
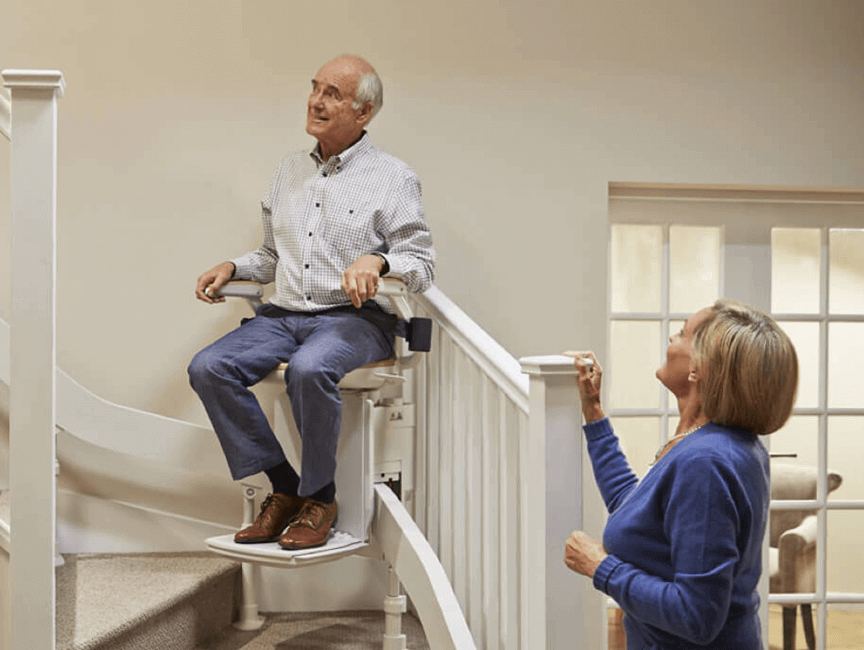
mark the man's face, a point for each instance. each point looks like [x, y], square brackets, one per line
[330, 116]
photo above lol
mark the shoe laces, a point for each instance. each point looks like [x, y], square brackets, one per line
[310, 515]
[265, 504]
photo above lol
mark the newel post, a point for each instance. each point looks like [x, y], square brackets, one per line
[555, 452]
[33, 354]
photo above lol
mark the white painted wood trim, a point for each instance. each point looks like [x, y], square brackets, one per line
[418, 568]
[32, 355]
[47, 80]
[4, 535]
[5, 117]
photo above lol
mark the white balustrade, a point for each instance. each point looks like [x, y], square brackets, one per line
[499, 481]
[32, 355]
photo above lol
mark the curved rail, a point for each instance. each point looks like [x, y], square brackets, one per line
[122, 429]
[419, 570]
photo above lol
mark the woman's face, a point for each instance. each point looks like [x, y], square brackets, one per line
[673, 374]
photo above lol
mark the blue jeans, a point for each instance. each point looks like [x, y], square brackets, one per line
[320, 349]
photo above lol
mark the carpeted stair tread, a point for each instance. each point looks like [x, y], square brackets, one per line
[356, 630]
[107, 600]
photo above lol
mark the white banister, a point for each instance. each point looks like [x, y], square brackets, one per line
[499, 481]
[472, 421]
[33, 354]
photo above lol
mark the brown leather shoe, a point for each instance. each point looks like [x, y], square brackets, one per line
[311, 526]
[277, 511]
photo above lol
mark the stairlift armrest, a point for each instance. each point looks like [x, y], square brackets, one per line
[394, 289]
[246, 289]
[419, 332]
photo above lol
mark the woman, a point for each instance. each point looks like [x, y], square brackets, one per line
[682, 548]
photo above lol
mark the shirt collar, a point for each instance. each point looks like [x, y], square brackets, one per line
[362, 145]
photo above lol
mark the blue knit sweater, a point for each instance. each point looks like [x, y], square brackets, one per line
[685, 542]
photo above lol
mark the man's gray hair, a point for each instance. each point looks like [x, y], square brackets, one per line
[370, 89]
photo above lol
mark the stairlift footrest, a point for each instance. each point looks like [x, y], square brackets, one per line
[271, 554]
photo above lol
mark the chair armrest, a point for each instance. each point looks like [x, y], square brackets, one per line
[242, 289]
[805, 533]
[796, 556]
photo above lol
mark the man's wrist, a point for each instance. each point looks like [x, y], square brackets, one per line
[385, 265]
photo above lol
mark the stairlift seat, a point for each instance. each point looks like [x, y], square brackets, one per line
[369, 377]
[355, 457]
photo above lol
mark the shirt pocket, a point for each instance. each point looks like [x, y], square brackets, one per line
[349, 231]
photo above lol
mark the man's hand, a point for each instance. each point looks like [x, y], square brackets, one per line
[583, 554]
[211, 281]
[360, 280]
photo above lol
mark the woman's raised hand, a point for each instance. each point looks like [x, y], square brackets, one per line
[589, 380]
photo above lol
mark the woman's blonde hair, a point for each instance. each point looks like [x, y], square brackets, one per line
[749, 368]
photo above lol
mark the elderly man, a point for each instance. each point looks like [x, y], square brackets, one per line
[335, 220]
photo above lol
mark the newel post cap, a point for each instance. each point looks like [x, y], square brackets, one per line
[44, 79]
[550, 364]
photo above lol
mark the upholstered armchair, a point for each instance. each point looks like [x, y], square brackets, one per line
[793, 543]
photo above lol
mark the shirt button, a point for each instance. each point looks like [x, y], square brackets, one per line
[308, 297]
[306, 265]
[317, 205]
[324, 174]
[310, 234]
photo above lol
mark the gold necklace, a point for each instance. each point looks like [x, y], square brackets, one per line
[672, 442]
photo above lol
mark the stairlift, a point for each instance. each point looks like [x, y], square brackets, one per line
[368, 415]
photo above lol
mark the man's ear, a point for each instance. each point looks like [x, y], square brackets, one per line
[365, 113]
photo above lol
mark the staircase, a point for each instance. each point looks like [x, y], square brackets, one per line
[187, 601]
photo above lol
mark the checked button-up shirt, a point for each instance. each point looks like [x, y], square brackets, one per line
[321, 216]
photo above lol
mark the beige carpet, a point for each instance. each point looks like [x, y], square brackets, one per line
[103, 599]
[319, 631]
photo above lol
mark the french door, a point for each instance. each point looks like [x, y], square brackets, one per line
[798, 255]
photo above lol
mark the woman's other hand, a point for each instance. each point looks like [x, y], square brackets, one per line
[589, 380]
[583, 554]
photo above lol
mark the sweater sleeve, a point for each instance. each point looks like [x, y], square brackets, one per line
[612, 472]
[702, 522]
